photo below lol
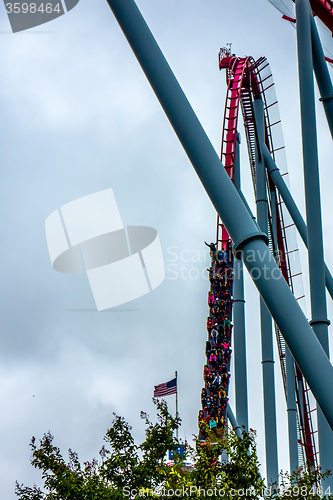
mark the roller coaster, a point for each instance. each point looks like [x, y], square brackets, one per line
[248, 80]
[266, 242]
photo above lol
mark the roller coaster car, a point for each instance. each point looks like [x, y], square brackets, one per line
[203, 443]
[224, 62]
[217, 449]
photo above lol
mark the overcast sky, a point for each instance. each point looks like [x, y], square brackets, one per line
[77, 117]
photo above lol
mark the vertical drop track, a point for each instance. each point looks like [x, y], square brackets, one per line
[247, 80]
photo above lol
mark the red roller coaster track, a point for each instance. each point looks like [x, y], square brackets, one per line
[245, 82]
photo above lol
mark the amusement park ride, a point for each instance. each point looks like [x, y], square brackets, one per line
[265, 243]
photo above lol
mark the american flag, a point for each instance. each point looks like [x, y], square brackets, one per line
[165, 389]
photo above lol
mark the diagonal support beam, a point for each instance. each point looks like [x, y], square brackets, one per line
[232, 419]
[292, 208]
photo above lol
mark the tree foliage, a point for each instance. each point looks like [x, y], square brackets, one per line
[127, 470]
[302, 484]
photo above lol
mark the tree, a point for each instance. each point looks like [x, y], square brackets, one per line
[303, 483]
[127, 470]
[120, 464]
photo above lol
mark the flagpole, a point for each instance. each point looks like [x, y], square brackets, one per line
[176, 403]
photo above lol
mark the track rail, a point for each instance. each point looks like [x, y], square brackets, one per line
[236, 68]
[248, 79]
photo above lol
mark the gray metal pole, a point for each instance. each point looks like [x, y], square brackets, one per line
[291, 206]
[250, 243]
[290, 368]
[267, 355]
[322, 75]
[292, 412]
[239, 323]
[300, 396]
[235, 425]
[319, 320]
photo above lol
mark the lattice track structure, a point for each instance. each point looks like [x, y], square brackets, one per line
[283, 251]
[247, 79]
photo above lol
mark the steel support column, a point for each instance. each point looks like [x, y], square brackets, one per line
[239, 323]
[249, 241]
[289, 366]
[292, 412]
[319, 320]
[267, 355]
[301, 404]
